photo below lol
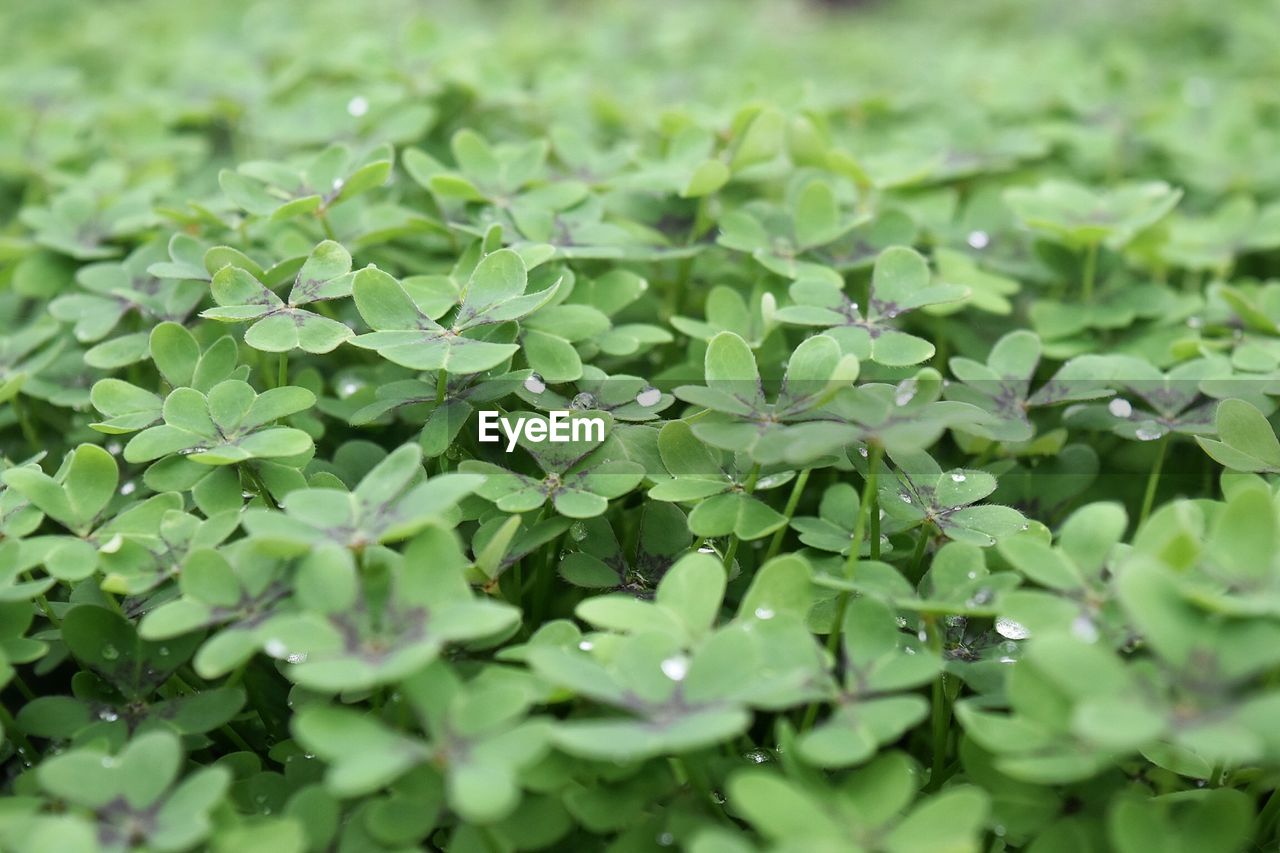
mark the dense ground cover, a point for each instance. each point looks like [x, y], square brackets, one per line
[936, 348]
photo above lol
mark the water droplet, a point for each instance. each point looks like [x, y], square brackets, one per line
[905, 392]
[534, 384]
[108, 715]
[957, 477]
[338, 184]
[128, 488]
[978, 239]
[1149, 432]
[998, 830]
[706, 549]
[972, 575]
[904, 497]
[578, 531]
[901, 620]
[718, 798]
[110, 652]
[114, 448]
[583, 400]
[922, 635]
[758, 756]
[1120, 407]
[768, 306]
[764, 613]
[275, 648]
[296, 657]
[586, 645]
[909, 650]
[348, 387]
[163, 651]
[675, 667]
[1195, 322]
[980, 598]
[1082, 628]
[862, 451]
[358, 106]
[1006, 627]
[666, 839]
[649, 396]
[112, 545]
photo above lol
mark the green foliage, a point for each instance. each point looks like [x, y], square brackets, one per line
[935, 504]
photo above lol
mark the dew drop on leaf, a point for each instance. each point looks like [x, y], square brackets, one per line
[108, 715]
[583, 400]
[1148, 432]
[586, 645]
[534, 384]
[649, 396]
[1082, 628]
[1006, 627]
[978, 239]
[958, 477]
[128, 488]
[358, 106]
[578, 531]
[1120, 408]
[758, 756]
[675, 667]
[905, 392]
[764, 613]
[981, 597]
[904, 497]
[110, 652]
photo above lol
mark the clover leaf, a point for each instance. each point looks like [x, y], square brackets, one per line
[741, 418]
[281, 325]
[134, 797]
[478, 739]
[357, 631]
[578, 477]
[393, 502]
[404, 334]
[900, 284]
[229, 424]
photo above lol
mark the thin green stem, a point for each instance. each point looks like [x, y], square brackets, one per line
[442, 385]
[1090, 271]
[323, 216]
[24, 421]
[282, 371]
[875, 454]
[259, 487]
[917, 556]
[874, 534]
[1153, 480]
[940, 710]
[792, 502]
[747, 488]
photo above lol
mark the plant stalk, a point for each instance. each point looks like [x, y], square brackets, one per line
[1153, 480]
[792, 502]
[747, 488]
[1090, 271]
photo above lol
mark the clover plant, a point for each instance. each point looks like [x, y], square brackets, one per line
[724, 426]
